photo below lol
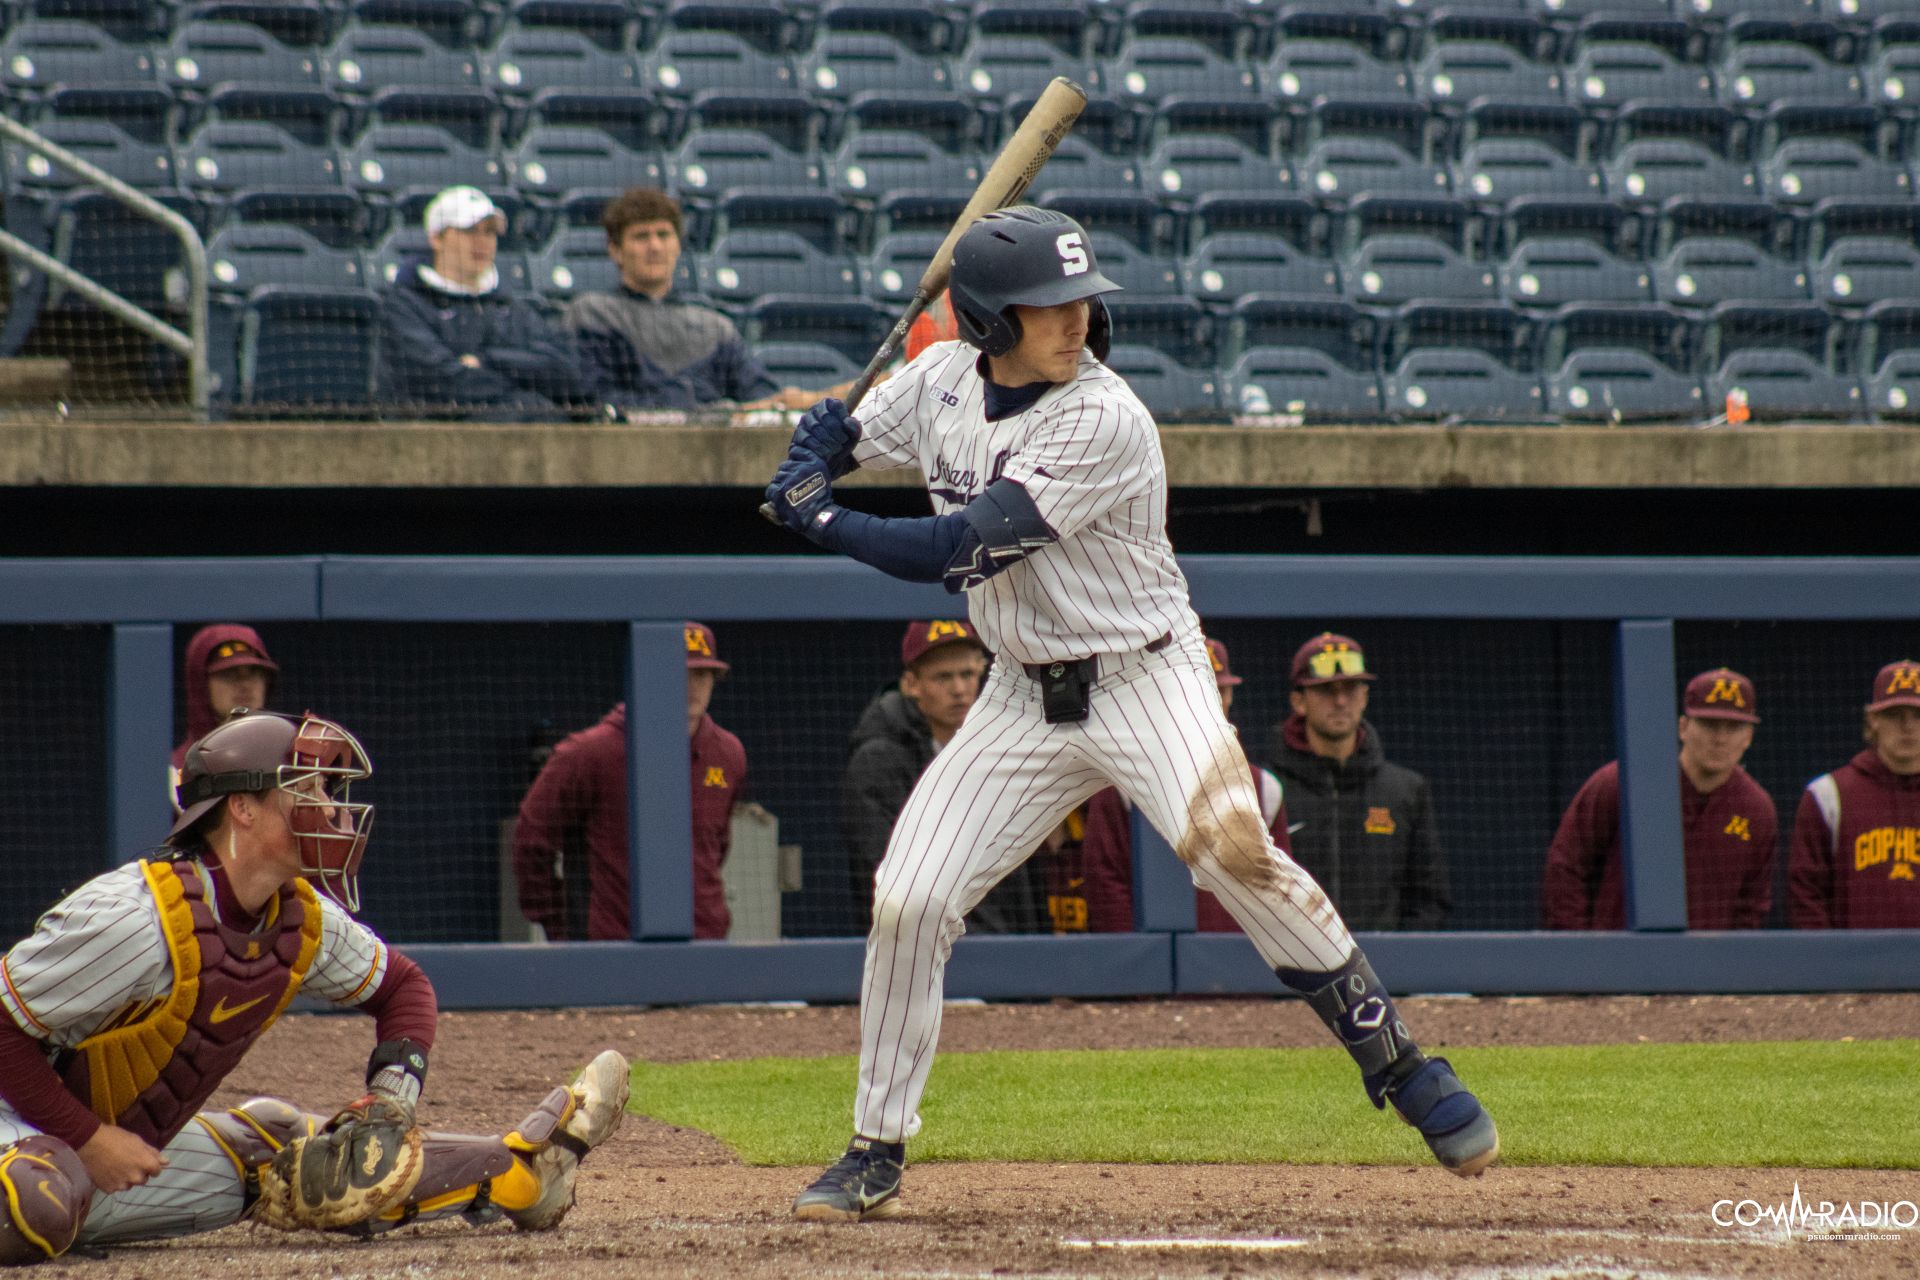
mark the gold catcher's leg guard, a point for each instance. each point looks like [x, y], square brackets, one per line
[47, 1192]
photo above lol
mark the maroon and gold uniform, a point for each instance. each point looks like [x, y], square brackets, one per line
[1855, 862]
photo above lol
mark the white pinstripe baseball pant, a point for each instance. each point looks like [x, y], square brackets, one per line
[1154, 729]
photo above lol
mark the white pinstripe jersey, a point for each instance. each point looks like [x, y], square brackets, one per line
[101, 950]
[1088, 454]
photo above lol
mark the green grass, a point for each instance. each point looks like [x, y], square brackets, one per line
[1818, 1105]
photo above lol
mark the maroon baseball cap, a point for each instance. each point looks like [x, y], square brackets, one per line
[702, 653]
[1721, 694]
[925, 635]
[1217, 654]
[1897, 685]
[229, 654]
[1328, 658]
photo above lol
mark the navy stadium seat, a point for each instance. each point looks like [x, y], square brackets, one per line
[295, 22]
[1455, 72]
[805, 364]
[999, 67]
[1759, 222]
[610, 24]
[1858, 271]
[389, 158]
[1251, 118]
[39, 53]
[524, 61]
[1496, 170]
[146, 165]
[1223, 26]
[1405, 123]
[1070, 24]
[1572, 12]
[1137, 218]
[1110, 124]
[710, 165]
[1663, 334]
[769, 25]
[1768, 71]
[684, 63]
[241, 258]
[1439, 217]
[1782, 384]
[1609, 73]
[1344, 333]
[1770, 10]
[131, 20]
[1737, 326]
[1301, 70]
[950, 120]
[221, 158]
[877, 162]
[1170, 390]
[471, 115]
[745, 265]
[854, 327]
[632, 118]
[550, 162]
[1703, 271]
[146, 112]
[362, 60]
[1173, 323]
[890, 273]
[1230, 265]
[1461, 385]
[928, 27]
[1134, 270]
[1620, 386]
[1345, 168]
[1838, 217]
[1803, 170]
[1389, 270]
[1077, 164]
[1888, 358]
[204, 54]
[841, 64]
[1507, 334]
[787, 116]
[1893, 77]
[1153, 68]
[1553, 271]
[1653, 170]
[453, 23]
[1301, 380]
[308, 348]
[1555, 124]
[1219, 179]
[97, 236]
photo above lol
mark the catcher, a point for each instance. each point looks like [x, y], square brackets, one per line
[140, 991]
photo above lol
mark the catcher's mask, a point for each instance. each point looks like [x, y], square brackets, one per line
[1031, 257]
[313, 760]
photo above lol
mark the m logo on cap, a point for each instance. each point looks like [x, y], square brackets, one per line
[1725, 690]
[1904, 680]
[944, 630]
[697, 642]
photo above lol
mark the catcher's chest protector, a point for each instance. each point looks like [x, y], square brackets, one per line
[152, 1069]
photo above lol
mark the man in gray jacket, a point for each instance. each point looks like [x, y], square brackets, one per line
[1362, 825]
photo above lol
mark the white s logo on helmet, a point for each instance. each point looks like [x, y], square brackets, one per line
[1073, 255]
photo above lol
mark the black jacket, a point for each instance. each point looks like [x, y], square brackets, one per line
[890, 748]
[529, 370]
[1365, 830]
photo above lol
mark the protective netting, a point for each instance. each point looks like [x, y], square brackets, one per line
[1421, 212]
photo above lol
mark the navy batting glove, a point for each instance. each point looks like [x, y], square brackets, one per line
[802, 493]
[829, 432]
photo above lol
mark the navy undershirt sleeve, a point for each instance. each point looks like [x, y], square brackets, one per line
[914, 548]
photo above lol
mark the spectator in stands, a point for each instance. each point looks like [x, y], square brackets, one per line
[1107, 853]
[1363, 826]
[573, 822]
[226, 666]
[452, 339]
[1728, 827]
[1855, 862]
[942, 663]
[651, 351]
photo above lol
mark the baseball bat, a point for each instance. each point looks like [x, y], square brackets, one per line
[1007, 179]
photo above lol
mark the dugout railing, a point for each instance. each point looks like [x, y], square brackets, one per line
[140, 601]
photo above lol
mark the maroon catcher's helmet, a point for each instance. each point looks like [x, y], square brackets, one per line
[313, 760]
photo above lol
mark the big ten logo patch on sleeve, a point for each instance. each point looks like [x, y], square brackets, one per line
[1379, 821]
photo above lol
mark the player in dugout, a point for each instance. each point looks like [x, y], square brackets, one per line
[137, 994]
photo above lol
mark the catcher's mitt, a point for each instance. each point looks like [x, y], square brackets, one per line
[366, 1161]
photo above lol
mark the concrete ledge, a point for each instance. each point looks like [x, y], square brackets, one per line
[442, 455]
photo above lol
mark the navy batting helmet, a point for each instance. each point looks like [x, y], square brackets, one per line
[1031, 257]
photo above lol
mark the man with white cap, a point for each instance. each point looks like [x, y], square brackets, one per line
[453, 339]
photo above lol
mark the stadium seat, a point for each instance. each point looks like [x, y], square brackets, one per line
[1390, 270]
[389, 158]
[717, 160]
[1153, 68]
[1893, 77]
[610, 24]
[1171, 323]
[1858, 271]
[1836, 218]
[1294, 218]
[1770, 10]
[1621, 386]
[1803, 170]
[930, 28]
[744, 265]
[1231, 265]
[1784, 385]
[524, 61]
[1888, 357]
[1609, 73]
[1496, 170]
[1137, 218]
[1221, 25]
[1455, 72]
[787, 116]
[1460, 386]
[1770, 71]
[204, 54]
[769, 25]
[852, 326]
[1440, 217]
[1250, 118]
[684, 63]
[146, 165]
[471, 115]
[1301, 70]
[98, 236]
[294, 22]
[551, 162]
[1760, 222]
[575, 261]
[1345, 334]
[1738, 326]
[841, 64]
[1704, 271]
[632, 118]
[1170, 390]
[1113, 126]
[1218, 179]
[1345, 168]
[362, 60]
[877, 162]
[1070, 24]
[309, 112]
[805, 364]
[896, 264]
[998, 67]
[241, 258]
[1078, 165]
[1403, 122]
[1553, 271]
[1665, 335]
[1508, 334]
[953, 123]
[1650, 171]
[453, 23]
[1556, 125]
[39, 53]
[1873, 130]
[221, 158]
[307, 348]
[146, 112]
[1572, 12]
[1133, 269]
[1304, 381]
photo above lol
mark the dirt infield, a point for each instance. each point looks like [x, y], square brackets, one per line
[663, 1201]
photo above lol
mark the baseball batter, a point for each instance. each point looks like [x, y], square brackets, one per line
[1050, 500]
[140, 991]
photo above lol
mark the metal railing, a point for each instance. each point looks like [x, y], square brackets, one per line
[191, 344]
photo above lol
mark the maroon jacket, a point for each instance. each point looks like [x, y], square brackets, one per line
[200, 717]
[1728, 834]
[581, 797]
[1107, 859]
[1861, 870]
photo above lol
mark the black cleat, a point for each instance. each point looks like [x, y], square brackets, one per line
[864, 1183]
